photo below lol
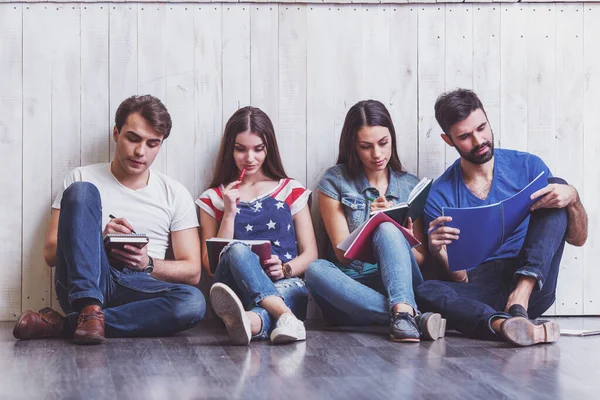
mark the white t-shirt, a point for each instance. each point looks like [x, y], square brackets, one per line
[162, 207]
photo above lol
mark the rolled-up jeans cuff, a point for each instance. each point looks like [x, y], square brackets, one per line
[264, 327]
[494, 316]
[534, 273]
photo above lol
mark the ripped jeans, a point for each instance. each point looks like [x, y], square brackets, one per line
[240, 269]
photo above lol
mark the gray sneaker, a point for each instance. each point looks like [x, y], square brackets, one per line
[431, 325]
[404, 328]
[229, 308]
[288, 329]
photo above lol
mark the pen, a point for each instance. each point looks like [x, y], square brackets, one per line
[242, 175]
[113, 217]
[434, 229]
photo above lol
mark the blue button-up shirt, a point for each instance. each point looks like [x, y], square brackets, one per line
[356, 196]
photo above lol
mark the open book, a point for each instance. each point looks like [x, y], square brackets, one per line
[118, 240]
[214, 246]
[484, 229]
[413, 207]
[359, 244]
[579, 332]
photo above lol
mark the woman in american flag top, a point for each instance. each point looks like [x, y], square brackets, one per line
[257, 300]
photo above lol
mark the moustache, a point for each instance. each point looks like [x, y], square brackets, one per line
[476, 149]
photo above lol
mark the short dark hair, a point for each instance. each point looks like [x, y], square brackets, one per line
[456, 106]
[150, 108]
[254, 120]
[365, 113]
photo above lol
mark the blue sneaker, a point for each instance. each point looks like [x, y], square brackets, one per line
[404, 328]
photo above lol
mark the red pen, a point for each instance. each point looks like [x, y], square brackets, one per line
[241, 176]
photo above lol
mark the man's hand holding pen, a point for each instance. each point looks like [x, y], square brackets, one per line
[128, 256]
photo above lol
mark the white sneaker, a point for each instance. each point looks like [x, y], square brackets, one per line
[230, 309]
[288, 329]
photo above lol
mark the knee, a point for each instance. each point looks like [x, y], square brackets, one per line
[316, 271]
[428, 288]
[389, 232]
[80, 193]
[189, 307]
[238, 253]
[556, 179]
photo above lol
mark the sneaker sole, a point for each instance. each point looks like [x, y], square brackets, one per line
[522, 332]
[229, 308]
[435, 327]
[278, 337]
[407, 340]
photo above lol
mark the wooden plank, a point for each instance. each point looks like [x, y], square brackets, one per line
[151, 62]
[569, 142]
[37, 149]
[486, 62]
[403, 103]
[377, 66]
[591, 149]
[541, 90]
[11, 131]
[95, 119]
[292, 90]
[459, 55]
[348, 70]
[180, 93]
[513, 78]
[236, 58]
[65, 105]
[208, 114]
[432, 43]
[264, 59]
[123, 56]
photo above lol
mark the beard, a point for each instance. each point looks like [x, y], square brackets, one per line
[479, 159]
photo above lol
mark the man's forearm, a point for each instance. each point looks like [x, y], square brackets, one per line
[184, 271]
[577, 225]
[456, 276]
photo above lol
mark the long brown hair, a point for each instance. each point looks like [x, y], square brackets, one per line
[365, 113]
[254, 120]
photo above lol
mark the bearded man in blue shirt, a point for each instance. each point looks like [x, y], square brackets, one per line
[500, 298]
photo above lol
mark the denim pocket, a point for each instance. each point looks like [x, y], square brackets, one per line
[355, 211]
[142, 282]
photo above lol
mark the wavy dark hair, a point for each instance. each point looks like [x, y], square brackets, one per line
[150, 108]
[247, 119]
[365, 113]
[456, 106]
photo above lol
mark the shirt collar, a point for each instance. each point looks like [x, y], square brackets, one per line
[393, 189]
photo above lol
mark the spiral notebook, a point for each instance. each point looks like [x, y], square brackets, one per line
[118, 240]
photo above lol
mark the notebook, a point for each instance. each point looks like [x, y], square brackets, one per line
[214, 246]
[118, 240]
[413, 207]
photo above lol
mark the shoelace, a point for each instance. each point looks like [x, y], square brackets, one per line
[412, 320]
[99, 315]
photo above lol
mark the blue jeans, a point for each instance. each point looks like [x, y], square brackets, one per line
[134, 303]
[470, 307]
[240, 269]
[367, 299]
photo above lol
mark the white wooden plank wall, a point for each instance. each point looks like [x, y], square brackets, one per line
[66, 67]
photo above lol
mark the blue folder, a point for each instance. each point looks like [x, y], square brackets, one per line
[484, 229]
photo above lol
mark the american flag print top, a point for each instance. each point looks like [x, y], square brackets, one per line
[267, 217]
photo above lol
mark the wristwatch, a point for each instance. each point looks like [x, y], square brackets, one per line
[287, 270]
[150, 267]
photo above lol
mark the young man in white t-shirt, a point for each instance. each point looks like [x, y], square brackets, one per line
[128, 291]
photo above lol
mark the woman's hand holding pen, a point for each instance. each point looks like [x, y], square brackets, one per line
[273, 267]
[381, 203]
[231, 196]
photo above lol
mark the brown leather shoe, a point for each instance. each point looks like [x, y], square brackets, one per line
[524, 332]
[90, 326]
[36, 325]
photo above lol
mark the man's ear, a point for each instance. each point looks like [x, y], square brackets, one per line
[115, 133]
[447, 139]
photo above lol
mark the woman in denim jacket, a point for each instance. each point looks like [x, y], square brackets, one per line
[369, 177]
[254, 299]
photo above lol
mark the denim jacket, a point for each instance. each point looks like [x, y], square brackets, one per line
[356, 196]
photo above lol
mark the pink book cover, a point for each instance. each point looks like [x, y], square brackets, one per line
[359, 244]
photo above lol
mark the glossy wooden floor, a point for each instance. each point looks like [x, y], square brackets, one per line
[331, 364]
